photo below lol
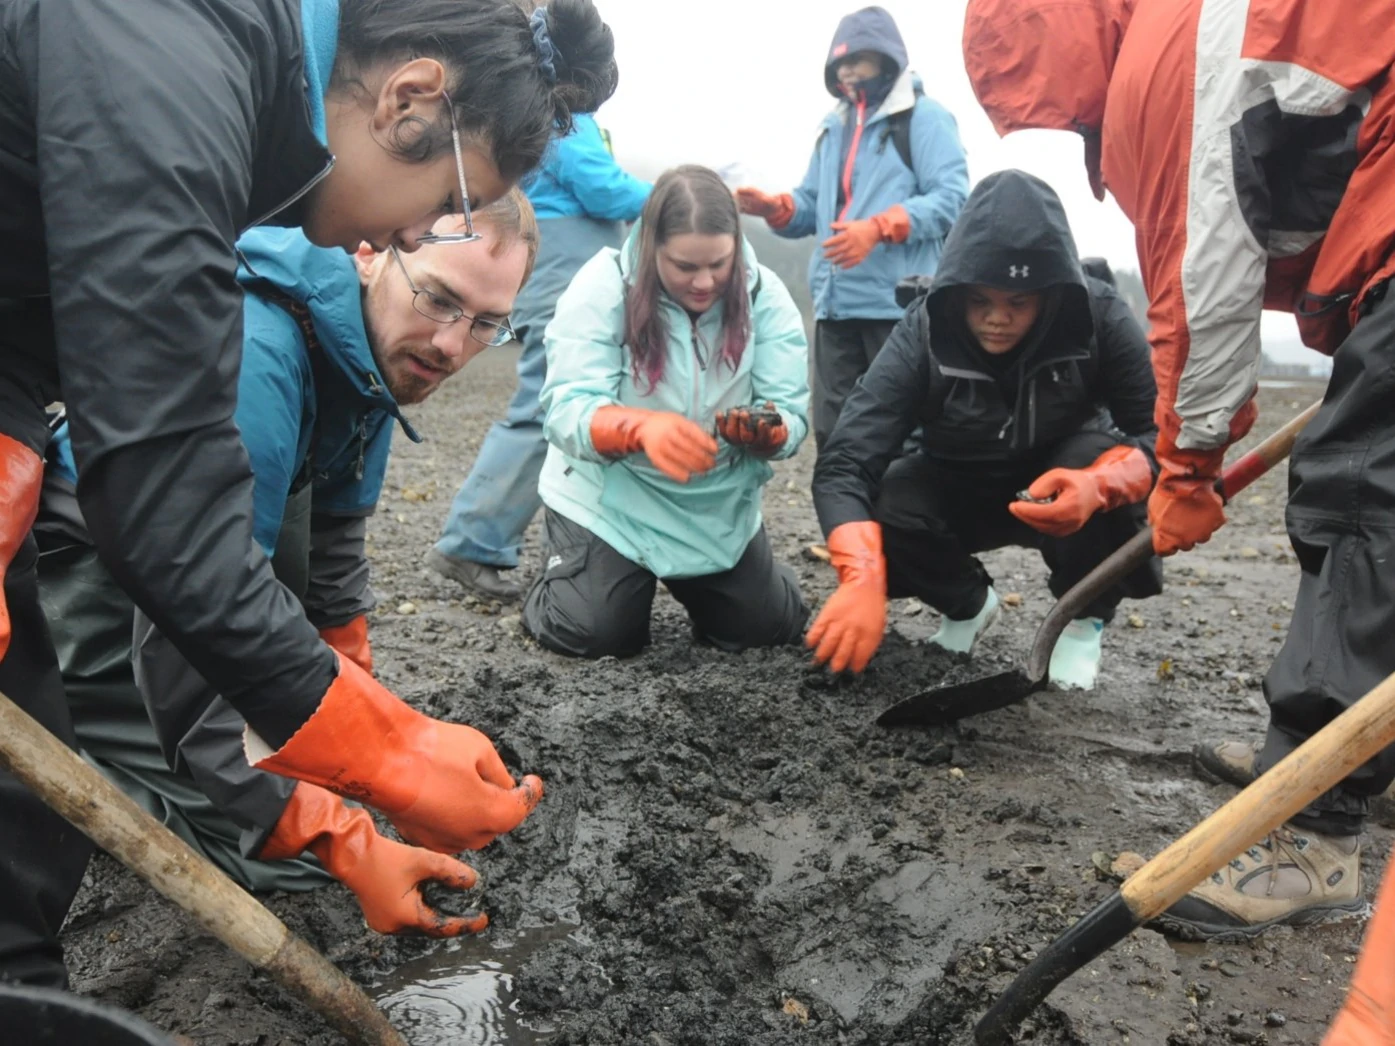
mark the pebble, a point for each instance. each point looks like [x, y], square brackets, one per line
[956, 773]
[1249, 553]
[1136, 621]
[406, 608]
[1275, 1019]
[1012, 599]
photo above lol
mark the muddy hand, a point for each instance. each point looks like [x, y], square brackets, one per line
[760, 430]
[21, 477]
[442, 784]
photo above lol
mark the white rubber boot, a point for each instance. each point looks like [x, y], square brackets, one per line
[960, 637]
[1075, 661]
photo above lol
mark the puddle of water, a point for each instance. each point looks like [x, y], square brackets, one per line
[462, 994]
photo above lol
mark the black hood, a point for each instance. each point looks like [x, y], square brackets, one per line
[871, 29]
[1013, 235]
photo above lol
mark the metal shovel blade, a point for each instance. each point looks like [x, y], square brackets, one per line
[947, 704]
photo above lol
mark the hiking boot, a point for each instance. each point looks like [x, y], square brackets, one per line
[1290, 877]
[960, 637]
[483, 579]
[1234, 763]
[1230, 761]
[1075, 659]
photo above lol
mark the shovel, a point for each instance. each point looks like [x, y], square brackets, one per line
[947, 704]
[1327, 757]
[107, 816]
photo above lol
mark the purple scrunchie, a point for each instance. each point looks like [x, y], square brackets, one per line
[542, 40]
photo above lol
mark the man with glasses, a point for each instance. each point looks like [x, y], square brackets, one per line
[333, 347]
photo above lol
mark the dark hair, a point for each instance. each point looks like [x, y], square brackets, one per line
[685, 199]
[502, 94]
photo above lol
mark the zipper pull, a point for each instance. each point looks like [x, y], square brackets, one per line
[1002, 433]
[362, 446]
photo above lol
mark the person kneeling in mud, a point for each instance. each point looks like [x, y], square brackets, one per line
[1021, 374]
[654, 345]
[333, 347]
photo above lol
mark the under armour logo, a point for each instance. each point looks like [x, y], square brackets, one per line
[1016, 271]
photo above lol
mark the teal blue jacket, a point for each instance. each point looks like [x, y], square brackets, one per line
[672, 529]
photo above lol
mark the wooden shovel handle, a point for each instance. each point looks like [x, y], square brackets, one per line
[108, 817]
[1325, 759]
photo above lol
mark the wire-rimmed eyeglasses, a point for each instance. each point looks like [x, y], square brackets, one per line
[469, 235]
[440, 310]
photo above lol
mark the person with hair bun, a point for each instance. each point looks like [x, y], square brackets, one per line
[676, 371]
[138, 140]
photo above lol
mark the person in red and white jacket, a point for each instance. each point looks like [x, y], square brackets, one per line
[1250, 145]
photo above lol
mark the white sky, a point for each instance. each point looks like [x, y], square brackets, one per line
[741, 82]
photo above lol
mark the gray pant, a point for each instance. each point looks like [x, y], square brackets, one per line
[591, 601]
[1341, 520]
[843, 350]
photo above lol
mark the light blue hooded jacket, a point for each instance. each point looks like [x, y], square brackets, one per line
[674, 530]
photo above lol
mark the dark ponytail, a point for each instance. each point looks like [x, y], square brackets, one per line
[504, 96]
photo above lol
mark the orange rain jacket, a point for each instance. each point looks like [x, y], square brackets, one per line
[1249, 143]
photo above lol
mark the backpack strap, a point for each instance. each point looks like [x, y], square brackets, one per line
[897, 128]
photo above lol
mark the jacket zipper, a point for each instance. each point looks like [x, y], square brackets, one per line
[852, 158]
[297, 194]
[362, 445]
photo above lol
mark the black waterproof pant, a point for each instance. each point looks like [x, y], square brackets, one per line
[590, 601]
[42, 857]
[1341, 520]
[935, 518]
[843, 350]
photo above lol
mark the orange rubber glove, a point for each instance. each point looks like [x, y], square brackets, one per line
[21, 477]
[1367, 1018]
[676, 446]
[351, 640]
[1185, 508]
[778, 210]
[1120, 476]
[849, 628]
[744, 427]
[851, 242]
[442, 784]
[384, 875]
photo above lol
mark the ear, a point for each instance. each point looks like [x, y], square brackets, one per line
[414, 89]
[364, 259]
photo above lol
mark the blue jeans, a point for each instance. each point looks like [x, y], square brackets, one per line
[500, 495]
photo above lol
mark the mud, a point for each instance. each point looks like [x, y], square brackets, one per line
[730, 853]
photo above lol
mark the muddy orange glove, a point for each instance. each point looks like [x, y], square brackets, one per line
[384, 875]
[21, 477]
[675, 446]
[777, 210]
[1120, 476]
[351, 640]
[1185, 508]
[760, 431]
[849, 628]
[851, 242]
[442, 784]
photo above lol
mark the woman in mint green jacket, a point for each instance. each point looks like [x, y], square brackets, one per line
[676, 371]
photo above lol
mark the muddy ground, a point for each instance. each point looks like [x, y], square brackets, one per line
[730, 852]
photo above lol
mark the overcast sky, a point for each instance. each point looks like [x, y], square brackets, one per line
[724, 82]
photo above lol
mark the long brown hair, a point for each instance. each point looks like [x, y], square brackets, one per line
[687, 199]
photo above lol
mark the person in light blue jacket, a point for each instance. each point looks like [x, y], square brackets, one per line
[678, 334]
[887, 180]
[581, 197]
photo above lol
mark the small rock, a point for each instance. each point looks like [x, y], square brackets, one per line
[796, 1009]
[1275, 1019]
[1012, 599]
[406, 608]
[1136, 621]
[956, 774]
[1249, 552]
[511, 622]
[1234, 1017]
[1258, 499]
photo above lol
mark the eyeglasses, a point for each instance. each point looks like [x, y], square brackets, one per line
[439, 310]
[469, 235]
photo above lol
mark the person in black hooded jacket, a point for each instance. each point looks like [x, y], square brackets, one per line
[1017, 373]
